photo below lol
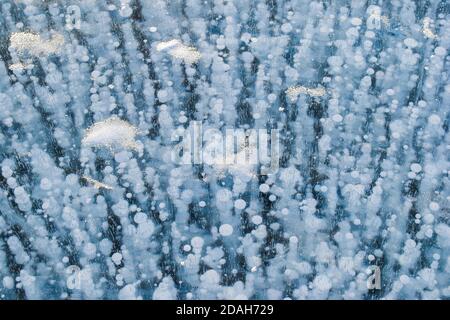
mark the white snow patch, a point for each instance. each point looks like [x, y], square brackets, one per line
[111, 133]
[34, 44]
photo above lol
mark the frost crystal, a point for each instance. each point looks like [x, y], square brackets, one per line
[293, 92]
[97, 184]
[19, 66]
[427, 29]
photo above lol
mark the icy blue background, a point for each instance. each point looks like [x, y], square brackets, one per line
[364, 177]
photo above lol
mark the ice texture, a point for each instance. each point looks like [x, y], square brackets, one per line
[95, 96]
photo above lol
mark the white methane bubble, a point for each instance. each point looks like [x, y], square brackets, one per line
[220, 150]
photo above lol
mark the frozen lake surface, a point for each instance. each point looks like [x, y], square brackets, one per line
[224, 149]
